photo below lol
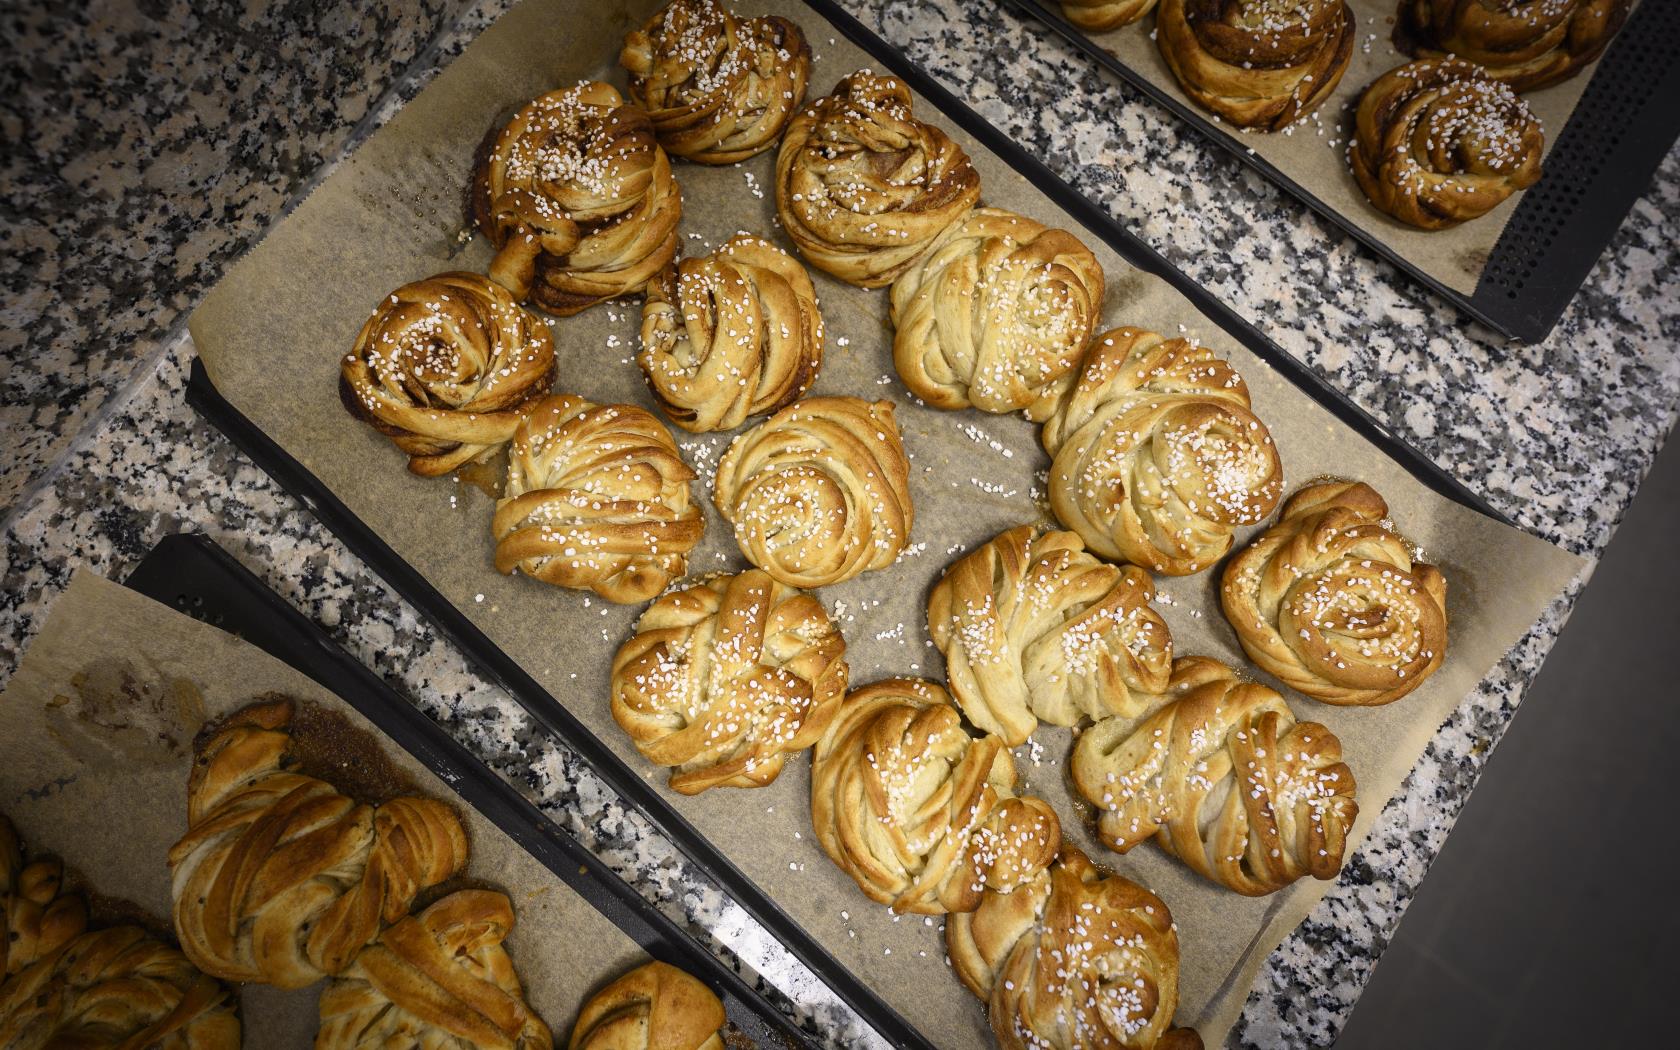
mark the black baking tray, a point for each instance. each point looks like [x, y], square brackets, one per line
[493, 664]
[1599, 165]
[192, 575]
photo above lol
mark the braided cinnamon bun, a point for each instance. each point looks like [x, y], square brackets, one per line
[819, 492]
[1528, 44]
[653, 1007]
[578, 199]
[1439, 142]
[1331, 600]
[719, 89]
[995, 313]
[597, 499]
[863, 187]
[37, 915]
[1099, 16]
[920, 814]
[730, 335]
[1224, 779]
[1256, 63]
[1157, 457]
[445, 368]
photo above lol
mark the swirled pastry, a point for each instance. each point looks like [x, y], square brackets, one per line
[439, 980]
[1102, 15]
[1439, 142]
[1033, 627]
[1076, 959]
[445, 367]
[920, 814]
[1224, 779]
[281, 879]
[819, 492]
[597, 499]
[1331, 600]
[730, 335]
[723, 680]
[1528, 44]
[653, 1007]
[863, 187]
[37, 914]
[578, 199]
[1259, 64]
[1156, 455]
[116, 987]
[719, 89]
[995, 313]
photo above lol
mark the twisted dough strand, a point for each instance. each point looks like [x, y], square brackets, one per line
[1528, 44]
[37, 914]
[1102, 15]
[1257, 63]
[653, 1007]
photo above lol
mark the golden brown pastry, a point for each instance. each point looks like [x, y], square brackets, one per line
[995, 313]
[1076, 959]
[819, 492]
[1033, 627]
[653, 1007]
[1101, 15]
[1259, 64]
[37, 914]
[723, 680]
[118, 988]
[1333, 602]
[439, 980]
[1157, 457]
[921, 815]
[719, 89]
[730, 335]
[597, 499]
[1528, 44]
[863, 187]
[1224, 779]
[578, 199]
[445, 367]
[1439, 142]
[280, 879]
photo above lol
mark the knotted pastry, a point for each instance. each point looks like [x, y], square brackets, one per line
[819, 492]
[723, 680]
[578, 199]
[730, 335]
[445, 367]
[439, 980]
[1439, 142]
[1224, 779]
[120, 988]
[1332, 601]
[653, 1007]
[1157, 457]
[995, 313]
[1102, 15]
[597, 498]
[920, 814]
[281, 879]
[1034, 627]
[1528, 44]
[1076, 959]
[863, 187]
[719, 89]
[37, 914]
[1256, 63]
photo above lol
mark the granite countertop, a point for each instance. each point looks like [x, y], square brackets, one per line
[160, 140]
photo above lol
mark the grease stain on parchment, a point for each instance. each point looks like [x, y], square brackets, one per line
[127, 713]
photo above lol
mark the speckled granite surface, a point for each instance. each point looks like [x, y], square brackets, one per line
[1556, 435]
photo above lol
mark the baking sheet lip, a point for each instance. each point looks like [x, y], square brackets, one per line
[193, 563]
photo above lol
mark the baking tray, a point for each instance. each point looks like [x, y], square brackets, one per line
[194, 576]
[1597, 167]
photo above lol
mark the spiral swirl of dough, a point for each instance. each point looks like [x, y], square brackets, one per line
[1528, 44]
[653, 1007]
[1331, 601]
[1099, 16]
[1259, 64]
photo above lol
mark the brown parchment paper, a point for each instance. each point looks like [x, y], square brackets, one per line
[272, 333]
[97, 728]
[1313, 152]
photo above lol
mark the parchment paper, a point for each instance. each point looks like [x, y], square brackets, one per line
[98, 724]
[1313, 151]
[271, 335]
